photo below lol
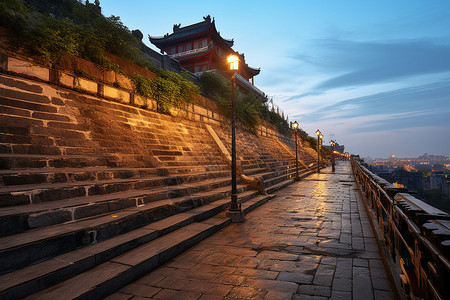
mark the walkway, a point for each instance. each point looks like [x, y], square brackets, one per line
[312, 241]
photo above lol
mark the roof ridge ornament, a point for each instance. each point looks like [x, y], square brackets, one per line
[176, 27]
[208, 18]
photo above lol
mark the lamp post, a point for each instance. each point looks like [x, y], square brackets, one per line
[319, 136]
[295, 126]
[332, 143]
[235, 211]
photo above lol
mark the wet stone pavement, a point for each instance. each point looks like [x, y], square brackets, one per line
[312, 241]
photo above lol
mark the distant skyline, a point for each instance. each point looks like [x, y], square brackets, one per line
[373, 75]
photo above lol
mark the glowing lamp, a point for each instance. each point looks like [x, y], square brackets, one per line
[295, 125]
[233, 60]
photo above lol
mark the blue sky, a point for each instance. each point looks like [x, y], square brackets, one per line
[373, 75]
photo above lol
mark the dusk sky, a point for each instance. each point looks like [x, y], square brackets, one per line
[373, 75]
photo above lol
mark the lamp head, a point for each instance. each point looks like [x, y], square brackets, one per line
[233, 60]
[295, 125]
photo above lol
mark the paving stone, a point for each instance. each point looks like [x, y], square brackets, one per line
[308, 297]
[327, 260]
[211, 297]
[323, 280]
[314, 290]
[342, 284]
[247, 292]
[381, 284]
[295, 277]
[139, 290]
[383, 295]
[344, 268]
[172, 283]
[276, 295]
[362, 286]
[376, 263]
[205, 268]
[256, 273]
[177, 295]
[208, 288]
[277, 255]
[228, 279]
[277, 285]
[378, 273]
[340, 295]
[358, 262]
[325, 270]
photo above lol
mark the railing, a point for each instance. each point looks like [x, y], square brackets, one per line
[416, 235]
[188, 52]
[243, 82]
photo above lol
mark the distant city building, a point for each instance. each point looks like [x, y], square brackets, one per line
[199, 47]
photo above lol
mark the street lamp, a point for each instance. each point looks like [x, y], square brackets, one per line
[235, 211]
[295, 126]
[319, 137]
[332, 143]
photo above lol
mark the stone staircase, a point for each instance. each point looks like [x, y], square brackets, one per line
[264, 158]
[94, 194]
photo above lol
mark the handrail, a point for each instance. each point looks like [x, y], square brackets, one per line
[416, 234]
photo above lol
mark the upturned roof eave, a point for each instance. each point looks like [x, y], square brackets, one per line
[198, 30]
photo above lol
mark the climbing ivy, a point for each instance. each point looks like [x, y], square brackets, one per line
[169, 90]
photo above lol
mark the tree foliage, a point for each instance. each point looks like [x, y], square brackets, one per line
[50, 28]
[248, 107]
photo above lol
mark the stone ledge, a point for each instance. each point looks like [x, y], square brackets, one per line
[28, 69]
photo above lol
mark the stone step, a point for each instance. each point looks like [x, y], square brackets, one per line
[32, 193]
[192, 169]
[279, 177]
[22, 249]
[188, 163]
[20, 177]
[25, 161]
[286, 181]
[60, 175]
[268, 172]
[279, 185]
[273, 174]
[265, 164]
[31, 279]
[16, 219]
[110, 276]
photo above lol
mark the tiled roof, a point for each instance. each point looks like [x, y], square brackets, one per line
[182, 32]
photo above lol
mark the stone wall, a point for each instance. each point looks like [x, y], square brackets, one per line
[86, 77]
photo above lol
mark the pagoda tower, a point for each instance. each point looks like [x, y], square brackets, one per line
[199, 48]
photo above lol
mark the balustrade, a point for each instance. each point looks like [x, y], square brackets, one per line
[416, 235]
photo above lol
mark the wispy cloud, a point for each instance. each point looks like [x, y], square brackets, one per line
[358, 63]
[429, 97]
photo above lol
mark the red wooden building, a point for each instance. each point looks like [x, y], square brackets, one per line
[199, 47]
